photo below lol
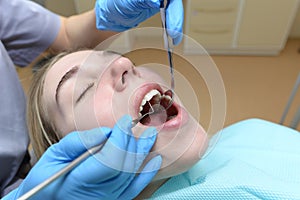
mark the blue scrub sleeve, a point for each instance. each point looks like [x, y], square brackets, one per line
[26, 29]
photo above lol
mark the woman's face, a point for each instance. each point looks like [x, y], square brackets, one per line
[89, 89]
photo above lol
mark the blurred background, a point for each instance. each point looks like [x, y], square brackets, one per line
[255, 45]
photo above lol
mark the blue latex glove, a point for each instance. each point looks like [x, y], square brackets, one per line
[121, 15]
[96, 178]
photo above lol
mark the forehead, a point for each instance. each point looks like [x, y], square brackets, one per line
[85, 58]
[82, 58]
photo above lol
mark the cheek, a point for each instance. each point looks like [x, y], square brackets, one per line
[85, 116]
[150, 75]
[95, 111]
[103, 108]
[180, 149]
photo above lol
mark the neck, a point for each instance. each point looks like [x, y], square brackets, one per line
[150, 189]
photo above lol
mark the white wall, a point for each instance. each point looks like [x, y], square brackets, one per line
[295, 31]
[69, 7]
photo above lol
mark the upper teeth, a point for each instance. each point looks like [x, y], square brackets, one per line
[149, 96]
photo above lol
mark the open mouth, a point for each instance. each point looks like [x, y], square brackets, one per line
[157, 108]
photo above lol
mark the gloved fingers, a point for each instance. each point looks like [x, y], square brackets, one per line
[116, 15]
[133, 161]
[138, 150]
[108, 163]
[78, 142]
[174, 20]
[136, 154]
[141, 181]
[130, 156]
[120, 144]
[145, 4]
[144, 145]
[128, 171]
[147, 140]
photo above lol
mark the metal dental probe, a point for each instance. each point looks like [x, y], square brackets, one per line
[167, 40]
[167, 45]
[137, 120]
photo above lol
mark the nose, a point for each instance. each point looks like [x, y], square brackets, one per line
[120, 65]
[120, 70]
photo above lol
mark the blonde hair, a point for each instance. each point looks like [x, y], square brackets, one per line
[42, 130]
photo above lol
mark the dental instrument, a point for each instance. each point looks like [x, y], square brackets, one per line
[150, 112]
[167, 43]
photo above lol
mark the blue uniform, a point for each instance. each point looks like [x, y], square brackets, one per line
[26, 30]
[252, 159]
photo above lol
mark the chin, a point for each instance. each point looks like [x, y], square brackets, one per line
[180, 149]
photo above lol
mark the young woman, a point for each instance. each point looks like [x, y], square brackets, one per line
[253, 159]
[26, 31]
[89, 89]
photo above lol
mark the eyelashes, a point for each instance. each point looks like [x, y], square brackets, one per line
[90, 85]
[83, 93]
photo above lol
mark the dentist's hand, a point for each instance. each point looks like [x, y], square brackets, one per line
[120, 15]
[109, 174]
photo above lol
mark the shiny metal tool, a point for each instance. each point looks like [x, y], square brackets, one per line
[137, 120]
[168, 43]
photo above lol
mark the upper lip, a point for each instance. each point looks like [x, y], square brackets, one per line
[141, 92]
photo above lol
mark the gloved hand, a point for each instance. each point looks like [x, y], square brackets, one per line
[109, 174]
[120, 15]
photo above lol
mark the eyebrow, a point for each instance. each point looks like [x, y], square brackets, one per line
[66, 77]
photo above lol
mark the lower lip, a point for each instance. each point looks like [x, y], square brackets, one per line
[178, 121]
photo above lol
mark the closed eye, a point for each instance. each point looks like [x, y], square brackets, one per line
[89, 86]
